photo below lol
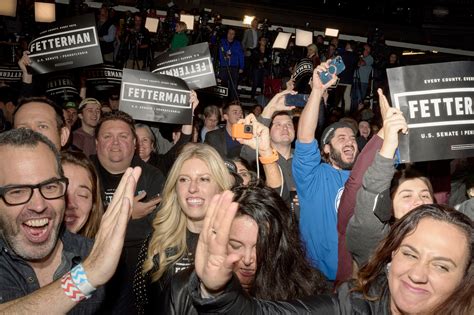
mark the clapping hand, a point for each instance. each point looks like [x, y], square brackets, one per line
[213, 264]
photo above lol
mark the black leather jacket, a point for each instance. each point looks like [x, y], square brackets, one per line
[234, 301]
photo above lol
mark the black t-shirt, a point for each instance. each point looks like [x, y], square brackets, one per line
[151, 181]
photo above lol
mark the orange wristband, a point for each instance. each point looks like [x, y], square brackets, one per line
[269, 159]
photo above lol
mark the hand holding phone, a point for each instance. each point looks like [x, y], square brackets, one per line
[336, 66]
[298, 100]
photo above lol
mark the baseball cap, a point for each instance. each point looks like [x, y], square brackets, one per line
[328, 133]
[70, 104]
[88, 100]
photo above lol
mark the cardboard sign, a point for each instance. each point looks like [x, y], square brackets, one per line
[437, 102]
[68, 44]
[155, 97]
[10, 74]
[103, 78]
[61, 87]
[193, 64]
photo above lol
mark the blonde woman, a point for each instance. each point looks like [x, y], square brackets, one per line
[196, 176]
[180, 39]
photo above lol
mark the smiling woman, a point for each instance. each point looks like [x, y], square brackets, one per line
[196, 176]
[423, 266]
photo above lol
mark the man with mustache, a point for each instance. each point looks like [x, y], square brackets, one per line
[320, 175]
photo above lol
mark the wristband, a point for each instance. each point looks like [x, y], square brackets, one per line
[79, 277]
[269, 159]
[70, 288]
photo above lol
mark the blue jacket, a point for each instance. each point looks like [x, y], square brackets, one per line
[319, 187]
[236, 54]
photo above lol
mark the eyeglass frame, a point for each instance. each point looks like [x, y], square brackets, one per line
[5, 189]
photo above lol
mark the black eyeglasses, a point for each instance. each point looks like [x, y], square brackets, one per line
[15, 195]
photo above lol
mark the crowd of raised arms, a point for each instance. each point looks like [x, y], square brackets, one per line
[101, 213]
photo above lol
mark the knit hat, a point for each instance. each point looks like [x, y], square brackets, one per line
[328, 133]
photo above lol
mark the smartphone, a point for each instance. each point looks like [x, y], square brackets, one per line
[336, 66]
[298, 100]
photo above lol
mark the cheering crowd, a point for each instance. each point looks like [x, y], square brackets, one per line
[302, 212]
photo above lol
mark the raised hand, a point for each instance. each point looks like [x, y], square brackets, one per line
[213, 264]
[316, 83]
[260, 131]
[101, 263]
[393, 123]
[277, 103]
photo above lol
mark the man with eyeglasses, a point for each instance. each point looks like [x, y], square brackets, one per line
[89, 114]
[44, 268]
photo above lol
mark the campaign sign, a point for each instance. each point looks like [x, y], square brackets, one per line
[218, 90]
[436, 100]
[61, 86]
[103, 78]
[10, 74]
[155, 97]
[192, 64]
[68, 44]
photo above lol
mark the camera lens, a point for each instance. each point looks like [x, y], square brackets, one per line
[248, 129]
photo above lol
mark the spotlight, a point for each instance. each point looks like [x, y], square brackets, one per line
[45, 12]
[189, 20]
[332, 32]
[8, 7]
[303, 38]
[282, 40]
[248, 19]
[151, 24]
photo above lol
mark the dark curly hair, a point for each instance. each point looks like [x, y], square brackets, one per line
[283, 271]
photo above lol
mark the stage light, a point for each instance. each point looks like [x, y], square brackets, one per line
[248, 19]
[151, 24]
[412, 53]
[45, 12]
[189, 20]
[282, 40]
[8, 7]
[303, 38]
[332, 32]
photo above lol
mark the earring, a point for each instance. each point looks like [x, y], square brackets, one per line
[387, 267]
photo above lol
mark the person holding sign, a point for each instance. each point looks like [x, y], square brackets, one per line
[386, 194]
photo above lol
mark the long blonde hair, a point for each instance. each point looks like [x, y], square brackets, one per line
[170, 222]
